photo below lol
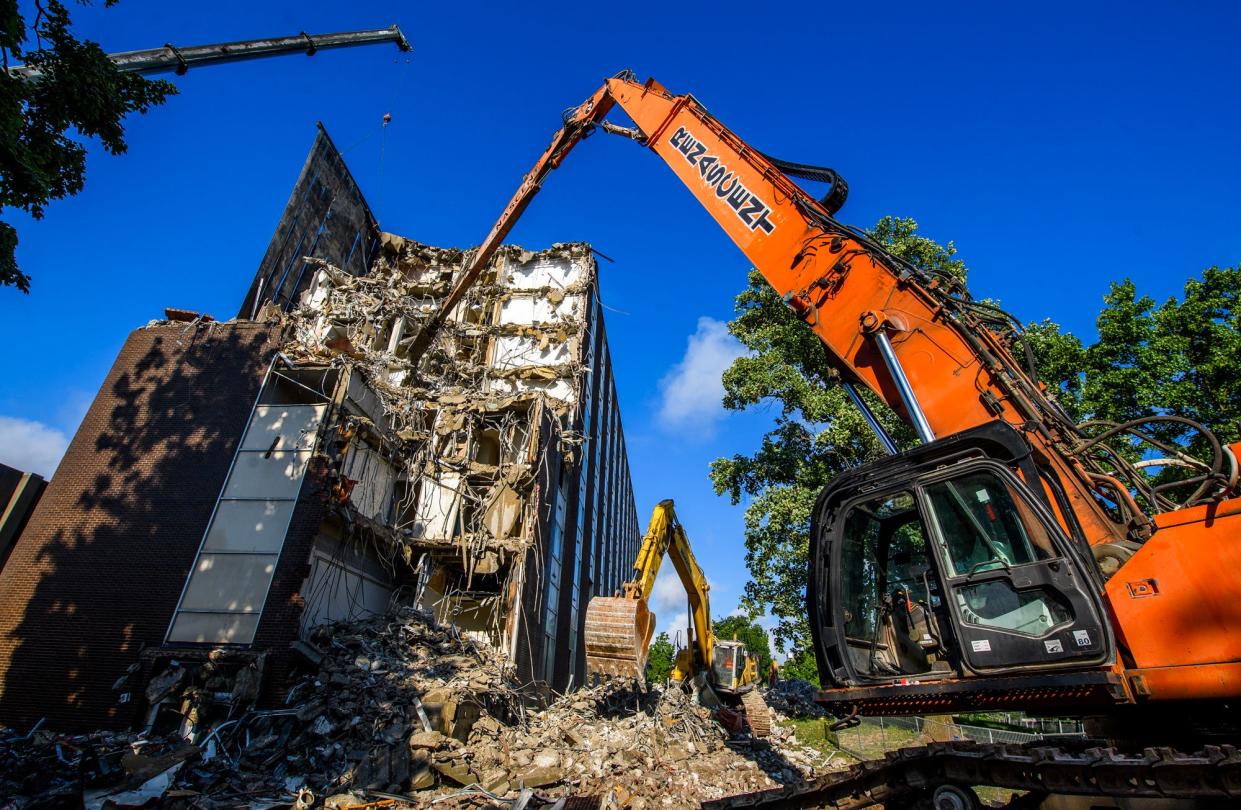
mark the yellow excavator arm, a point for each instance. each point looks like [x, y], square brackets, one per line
[619, 628]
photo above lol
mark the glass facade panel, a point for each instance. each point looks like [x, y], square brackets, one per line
[551, 597]
[227, 587]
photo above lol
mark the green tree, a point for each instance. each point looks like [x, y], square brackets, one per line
[754, 636]
[801, 667]
[817, 434]
[79, 94]
[659, 660]
[1178, 357]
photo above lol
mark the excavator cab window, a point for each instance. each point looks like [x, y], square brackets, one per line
[890, 593]
[1012, 591]
[727, 663]
[960, 571]
[942, 563]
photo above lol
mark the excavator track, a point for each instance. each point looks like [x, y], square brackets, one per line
[618, 634]
[757, 715]
[910, 775]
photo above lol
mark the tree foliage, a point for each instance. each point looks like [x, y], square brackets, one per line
[1178, 357]
[80, 94]
[817, 434]
[659, 659]
[743, 629]
[801, 667]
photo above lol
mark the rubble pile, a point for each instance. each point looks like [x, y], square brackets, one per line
[794, 698]
[631, 745]
[407, 711]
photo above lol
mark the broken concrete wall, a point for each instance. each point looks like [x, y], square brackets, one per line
[486, 483]
[454, 475]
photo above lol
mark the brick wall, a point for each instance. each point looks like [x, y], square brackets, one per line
[100, 567]
[282, 612]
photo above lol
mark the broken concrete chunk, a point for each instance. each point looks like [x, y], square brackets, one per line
[422, 776]
[430, 740]
[456, 770]
[546, 759]
[165, 683]
[538, 776]
[246, 685]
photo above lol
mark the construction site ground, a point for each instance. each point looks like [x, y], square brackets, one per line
[399, 711]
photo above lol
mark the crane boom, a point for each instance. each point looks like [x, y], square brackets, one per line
[181, 59]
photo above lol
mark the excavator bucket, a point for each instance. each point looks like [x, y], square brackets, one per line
[618, 636]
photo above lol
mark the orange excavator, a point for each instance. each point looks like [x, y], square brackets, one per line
[1012, 559]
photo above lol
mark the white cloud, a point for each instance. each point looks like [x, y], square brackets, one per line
[670, 604]
[668, 594]
[692, 390]
[31, 446]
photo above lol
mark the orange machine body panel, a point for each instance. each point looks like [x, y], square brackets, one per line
[1177, 602]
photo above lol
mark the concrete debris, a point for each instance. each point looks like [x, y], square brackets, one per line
[794, 698]
[354, 733]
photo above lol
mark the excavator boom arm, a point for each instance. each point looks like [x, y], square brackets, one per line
[696, 588]
[914, 340]
[619, 628]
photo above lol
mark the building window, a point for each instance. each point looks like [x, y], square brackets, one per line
[227, 586]
[551, 599]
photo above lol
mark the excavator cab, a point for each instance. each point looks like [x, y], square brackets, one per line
[732, 667]
[943, 572]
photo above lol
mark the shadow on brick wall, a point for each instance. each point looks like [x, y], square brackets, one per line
[99, 570]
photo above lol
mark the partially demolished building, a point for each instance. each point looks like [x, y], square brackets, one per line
[236, 484]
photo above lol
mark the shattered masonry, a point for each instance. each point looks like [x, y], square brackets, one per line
[400, 712]
[237, 484]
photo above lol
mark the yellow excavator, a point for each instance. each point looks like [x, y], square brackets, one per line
[619, 628]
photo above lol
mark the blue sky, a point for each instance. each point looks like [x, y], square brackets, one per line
[1061, 146]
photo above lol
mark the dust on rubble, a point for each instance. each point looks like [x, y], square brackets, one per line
[403, 712]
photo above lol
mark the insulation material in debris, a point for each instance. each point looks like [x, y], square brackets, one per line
[437, 508]
[503, 507]
[342, 586]
[549, 269]
[374, 477]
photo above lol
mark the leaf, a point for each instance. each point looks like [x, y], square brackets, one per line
[80, 93]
